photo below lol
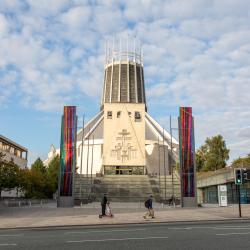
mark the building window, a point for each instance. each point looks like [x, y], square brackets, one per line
[137, 116]
[6, 148]
[18, 153]
[118, 114]
[109, 115]
[11, 150]
[15, 152]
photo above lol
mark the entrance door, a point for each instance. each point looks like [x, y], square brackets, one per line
[124, 170]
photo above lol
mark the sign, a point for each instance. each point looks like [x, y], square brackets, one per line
[222, 195]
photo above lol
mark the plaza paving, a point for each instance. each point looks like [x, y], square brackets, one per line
[49, 215]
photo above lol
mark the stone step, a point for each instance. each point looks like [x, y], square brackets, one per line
[125, 188]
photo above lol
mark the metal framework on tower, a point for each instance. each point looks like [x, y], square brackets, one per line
[124, 76]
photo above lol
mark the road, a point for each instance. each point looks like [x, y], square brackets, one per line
[215, 235]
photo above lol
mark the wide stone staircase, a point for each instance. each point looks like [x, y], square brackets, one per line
[125, 188]
[164, 188]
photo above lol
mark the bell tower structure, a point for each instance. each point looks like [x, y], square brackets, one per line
[123, 139]
[124, 107]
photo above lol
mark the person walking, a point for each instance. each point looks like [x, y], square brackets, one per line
[103, 204]
[171, 200]
[149, 206]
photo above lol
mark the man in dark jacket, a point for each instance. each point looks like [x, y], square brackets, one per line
[149, 206]
[104, 203]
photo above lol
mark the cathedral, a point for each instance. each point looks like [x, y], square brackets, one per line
[123, 139]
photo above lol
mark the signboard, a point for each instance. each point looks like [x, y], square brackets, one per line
[222, 195]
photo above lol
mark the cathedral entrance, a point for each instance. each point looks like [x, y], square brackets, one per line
[123, 170]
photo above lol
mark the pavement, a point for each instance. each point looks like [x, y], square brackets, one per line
[124, 213]
[228, 235]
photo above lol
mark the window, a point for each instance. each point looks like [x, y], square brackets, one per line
[18, 153]
[137, 116]
[15, 152]
[11, 150]
[118, 115]
[109, 115]
[6, 147]
[129, 114]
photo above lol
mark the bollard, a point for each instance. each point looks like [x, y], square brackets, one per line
[30, 203]
[41, 203]
[19, 203]
[162, 205]
[81, 203]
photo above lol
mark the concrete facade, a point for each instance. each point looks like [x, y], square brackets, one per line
[124, 135]
[12, 151]
[148, 146]
[207, 184]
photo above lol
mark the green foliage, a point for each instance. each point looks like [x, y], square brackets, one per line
[40, 181]
[9, 174]
[37, 182]
[212, 155]
[242, 162]
[38, 166]
[52, 175]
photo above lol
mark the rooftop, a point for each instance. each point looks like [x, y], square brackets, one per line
[5, 139]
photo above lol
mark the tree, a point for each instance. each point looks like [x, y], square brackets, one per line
[52, 176]
[34, 180]
[38, 166]
[41, 181]
[9, 174]
[242, 162]
[200, 158]
[212, 155]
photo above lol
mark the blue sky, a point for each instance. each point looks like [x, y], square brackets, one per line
[196, 53]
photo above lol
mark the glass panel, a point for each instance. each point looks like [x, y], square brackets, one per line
[123, 170]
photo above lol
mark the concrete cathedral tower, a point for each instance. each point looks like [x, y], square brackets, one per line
[123, 139]
[124, 108]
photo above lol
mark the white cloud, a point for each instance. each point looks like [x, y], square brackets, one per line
[7, 85]
[54, 62]
[11, 5]
[107, 20]
[195, 53]
[46, 7]
[76, 17]
[4, 26]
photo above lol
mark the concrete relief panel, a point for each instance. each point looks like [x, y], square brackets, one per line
[124, 150]
[124, 135]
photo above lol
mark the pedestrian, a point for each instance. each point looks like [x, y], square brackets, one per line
[171, 200]
[103, 204]
[149, 205]
[108, 210]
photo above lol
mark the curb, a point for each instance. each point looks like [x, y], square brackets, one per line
[191, 222]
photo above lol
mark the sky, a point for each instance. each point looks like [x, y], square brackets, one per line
[196, 53]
